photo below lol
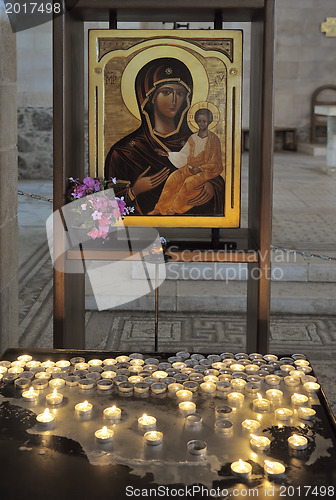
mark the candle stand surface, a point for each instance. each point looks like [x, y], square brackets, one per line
[68, 460]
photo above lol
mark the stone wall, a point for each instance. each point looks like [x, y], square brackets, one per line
[8, 182]
[35, 129]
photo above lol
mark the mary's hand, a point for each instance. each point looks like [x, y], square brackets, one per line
[143, 183]
[204, 194]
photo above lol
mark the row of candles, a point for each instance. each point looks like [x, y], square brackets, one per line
[212, 375]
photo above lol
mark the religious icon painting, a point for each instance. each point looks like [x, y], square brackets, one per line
[165, 123]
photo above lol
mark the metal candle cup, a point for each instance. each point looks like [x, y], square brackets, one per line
[283, 414]
[250, 426]
[260, 443]
[224, 427]
[54, 398]
[104, 435]
[273, 469]
[260, 404]
[274, 395]
[147, 422]
[273, 380]
[292, 382]
[297, 442]
[45, 419]
[153, 438]
[311, 387]
[306, 413]
[235, 399]
[31, 396]
[193, 422]
[241, 468]
[84, 409]
[173, 388]
[187, 408]
[112, 413]
[184, 395]
[299, 399]
[196, 447]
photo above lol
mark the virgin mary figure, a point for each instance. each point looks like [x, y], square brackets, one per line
[164, 89]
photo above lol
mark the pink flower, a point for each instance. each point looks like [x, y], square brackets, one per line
[96, 215]
[83, 206]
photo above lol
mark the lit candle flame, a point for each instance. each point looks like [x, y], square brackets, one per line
[85, 404]
[270, 464]
[54, 392]
[259, 396]
[31, 391]
[104, 430]
[113, 407]
[253, 436]
[46, 412]
[241, 463]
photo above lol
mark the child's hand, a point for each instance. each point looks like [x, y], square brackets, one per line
[195, 170]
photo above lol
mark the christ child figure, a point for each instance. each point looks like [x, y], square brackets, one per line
[198, 161]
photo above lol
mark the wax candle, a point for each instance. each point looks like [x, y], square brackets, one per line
[274, 395]
[16, 369]
[272, 380]
[251, 369]
[45, 419]
[137, 362]
[112, 413]
[260, 404]
[84, 409]
[187, 408]
[95, 362]
[249, 425]
[33, 364]
[208, 387]
[210, 378]
[81, 366]
[134, 379]
[179, 365]
[54, 398]
[63, 364]
[3, 369]
[306, 413]
[311, 387]
[196, 447]
[110, 361]
[299, 399]
[241, 468]
[306, 369]
[48, 364]
[238, 384]
[43, 376]
[173, 388]
[184, 395]
[57, 383]
[31, 395]
[292, 381]
[270, 357]
[235, 399]
[237, 367]
[193, 422]
[273, 469]
[135, 369]
[297, 442]
[153, 438]
[25, 358]
[108, 374]
[219, 365]
[122, 359]
[301, 362]
[283, 414]
[286, 368]
[296, 373]
[147, 422]
[259, 443]
[104, 435]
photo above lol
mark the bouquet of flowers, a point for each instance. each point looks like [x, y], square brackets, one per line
[99, 209]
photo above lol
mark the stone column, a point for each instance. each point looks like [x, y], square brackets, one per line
[8, 187]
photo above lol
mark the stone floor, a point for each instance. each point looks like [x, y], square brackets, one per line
[304, 219]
